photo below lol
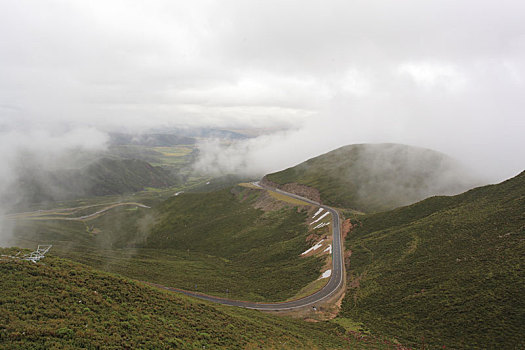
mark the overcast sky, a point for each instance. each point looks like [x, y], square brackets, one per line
[442, 74]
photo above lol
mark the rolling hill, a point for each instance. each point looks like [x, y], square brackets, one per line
[218, 242]
[445, 271]
[105, 176]
[375, 177]
[448, 271]
[61, 304]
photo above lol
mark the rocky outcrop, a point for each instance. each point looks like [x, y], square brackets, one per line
[266, 202]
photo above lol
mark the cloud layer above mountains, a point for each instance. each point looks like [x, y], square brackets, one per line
[446, 75]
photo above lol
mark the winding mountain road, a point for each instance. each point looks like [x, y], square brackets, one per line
[46, 214]
[331, 288]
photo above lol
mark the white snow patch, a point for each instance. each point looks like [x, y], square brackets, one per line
[317, 213]
[328, 249]
[322, 224]
[315, 247]
[326, 274]
[176, 194]
[320, 218]
[207, 183]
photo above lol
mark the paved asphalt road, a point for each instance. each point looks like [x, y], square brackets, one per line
[335, 283]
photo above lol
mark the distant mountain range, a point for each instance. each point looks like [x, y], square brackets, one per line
[173, 137]
[208, 133]
[150, 140]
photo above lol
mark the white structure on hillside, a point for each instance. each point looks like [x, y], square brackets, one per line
[38, 254]
[35, 256]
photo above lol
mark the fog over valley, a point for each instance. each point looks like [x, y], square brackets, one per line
[238, 174]
[296, 83]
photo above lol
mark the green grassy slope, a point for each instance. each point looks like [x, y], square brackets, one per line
[376, 177]
[447, 269]
[115, 176]
[104, 176]
[61, 304]
[256, 251]
[215, 242]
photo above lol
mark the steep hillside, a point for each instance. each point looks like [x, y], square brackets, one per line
[102, 177]
[60, 304]
[115, 176]
[376, 177]
[448, 270]
[256, 253]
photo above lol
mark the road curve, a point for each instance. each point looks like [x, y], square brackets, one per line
[334, 285]
[43, 214]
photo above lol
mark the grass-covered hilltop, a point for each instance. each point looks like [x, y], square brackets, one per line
[447, 270]
[375, 177]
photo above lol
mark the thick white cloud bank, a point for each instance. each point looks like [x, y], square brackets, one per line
[41, 149]
[446, 75]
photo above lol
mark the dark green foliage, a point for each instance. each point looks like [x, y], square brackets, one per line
[375, 177]
[60, 304]
[447, 269]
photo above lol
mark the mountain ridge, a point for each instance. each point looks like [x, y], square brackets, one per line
[446, 268]
[376, 177]
[104, 176]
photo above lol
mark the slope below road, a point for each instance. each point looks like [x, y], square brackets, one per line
[330, 289]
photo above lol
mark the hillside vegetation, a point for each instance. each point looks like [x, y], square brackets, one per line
[117, 176]
[256, 251]
[376, 177]
[444, 271]
[61, 304]
[216, 242]
[101, 177]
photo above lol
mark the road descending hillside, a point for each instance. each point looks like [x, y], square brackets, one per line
[331, 288]
[61, 304]
[228, 243]
[449, 270]
[375, 177]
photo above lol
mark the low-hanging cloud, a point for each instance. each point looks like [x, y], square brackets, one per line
[457, 111]
[440, 74]
[39, 150]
